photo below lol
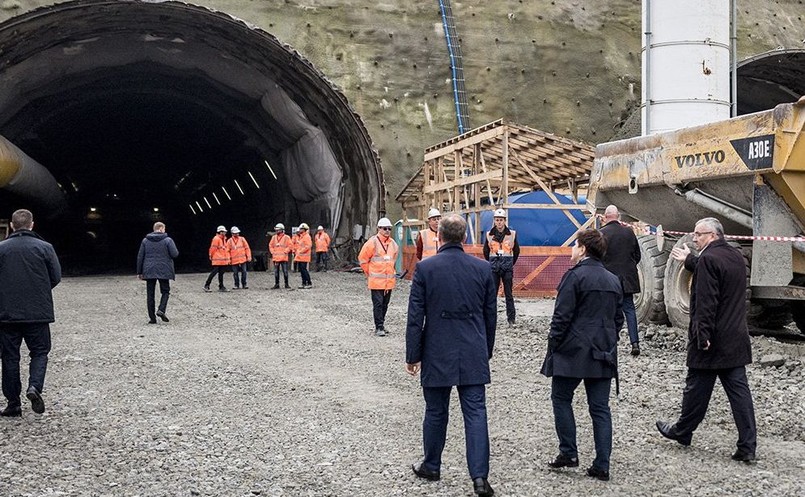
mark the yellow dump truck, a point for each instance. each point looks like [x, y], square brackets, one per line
[747, 171]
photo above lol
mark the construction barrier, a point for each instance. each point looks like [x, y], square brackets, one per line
[537, 273]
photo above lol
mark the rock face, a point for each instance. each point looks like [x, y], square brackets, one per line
[563, 66]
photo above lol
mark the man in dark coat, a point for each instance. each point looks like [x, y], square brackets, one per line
[450, 336]
[583, 346]
[621, 259]
[718, 338]
[29, 269]
[155, 263]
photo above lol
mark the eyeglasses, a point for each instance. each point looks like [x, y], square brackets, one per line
[697, 234]
[385, 228]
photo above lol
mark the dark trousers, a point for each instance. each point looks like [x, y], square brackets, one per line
[630, 315]
[219, 270]
[37, 339]
[380, 305]
[696, 397]
[476, 431]
[304, 273]
[507, 277]
[239, 274]
[562, 390]
[150, 294]
[321, 261]
[277, 267]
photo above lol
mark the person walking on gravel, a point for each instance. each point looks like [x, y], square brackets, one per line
[155, 264]
[29, 270]
[302, 254]
[378, 257]
[621, 259]
[322, 240]
[219, 257]
[280, 246]
[240, 255]
[718, 338]
[583, 346]
[450, 336]
[502, 249]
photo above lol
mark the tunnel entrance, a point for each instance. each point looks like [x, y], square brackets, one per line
[168, 111]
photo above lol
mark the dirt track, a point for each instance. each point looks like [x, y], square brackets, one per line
[288, 393]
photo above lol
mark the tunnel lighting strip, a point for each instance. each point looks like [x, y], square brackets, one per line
[216, 198]
[192, 209]
[239, 188]
[252, 177]
[227, 193]
[207, 202]
[269, 168]
[199, 206]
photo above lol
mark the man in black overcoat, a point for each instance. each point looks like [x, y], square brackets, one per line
[621, 259]
[450, 336]
[718, 338]
[155, 264]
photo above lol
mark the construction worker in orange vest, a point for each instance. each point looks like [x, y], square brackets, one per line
[501, 249]
[219, 257]
[378, 257]
[322, 242]
[303, 252]
[240, 255]
[279, 247]
[427, 243]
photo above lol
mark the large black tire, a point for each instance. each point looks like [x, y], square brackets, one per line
[649, 303]
[677, 282]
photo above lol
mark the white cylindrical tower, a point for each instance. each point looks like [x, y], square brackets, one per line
[686, 63]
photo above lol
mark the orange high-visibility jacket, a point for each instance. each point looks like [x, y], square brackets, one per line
[219, 251]
[377, 259]
[303, 247]
[239, 251]
[506, 248]
[322, 242]
[280, 246]
[430, 243]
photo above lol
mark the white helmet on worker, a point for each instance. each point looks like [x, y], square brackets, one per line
[279, 227]
[500, 213]
[434, 213]
[384, 223]
[235, 230]
[320, 228]
[221, 228]
[304, 226]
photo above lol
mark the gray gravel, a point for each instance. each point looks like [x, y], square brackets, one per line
[288, 393]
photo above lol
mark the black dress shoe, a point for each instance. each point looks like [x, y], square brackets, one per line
[162, 316]
[425, 473]
[482, 487]
[563, 461]
[598, 474]
[11, 412]
[746, 457]
[37, 404]
[152, 321]
[635, 349]
[668, 431]
[275, 287]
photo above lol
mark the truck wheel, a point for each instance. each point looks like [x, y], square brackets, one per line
[677, 287]
[649, 303]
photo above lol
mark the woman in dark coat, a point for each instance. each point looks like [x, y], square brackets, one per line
[582, 345]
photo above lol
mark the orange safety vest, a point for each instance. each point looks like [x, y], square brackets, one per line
[505, 249]
[303, 246]
[322, 242]
[239, 251]
[377, 261]
[219, 251]
[430, 243]
[280, 247]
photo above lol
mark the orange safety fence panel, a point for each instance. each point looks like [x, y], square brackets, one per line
[537, 273]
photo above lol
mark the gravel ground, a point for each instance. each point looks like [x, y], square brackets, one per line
[288, 393]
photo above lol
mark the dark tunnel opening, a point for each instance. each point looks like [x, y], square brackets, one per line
[166, 111]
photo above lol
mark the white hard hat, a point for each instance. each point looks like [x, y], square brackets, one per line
[499, 213]
[434, 213]
[384, 223]
[235, 230]
[221, 228]
[279, 226]
[320, 228]
[304, 226]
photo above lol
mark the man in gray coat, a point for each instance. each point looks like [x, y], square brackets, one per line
[29, 269]
[155, 263]
[450, 336]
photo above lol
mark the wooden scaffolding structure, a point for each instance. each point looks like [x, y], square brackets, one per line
[480, 169]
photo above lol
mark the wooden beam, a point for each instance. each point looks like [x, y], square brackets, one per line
[466, 142]
[545, 188]
[476, 178]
